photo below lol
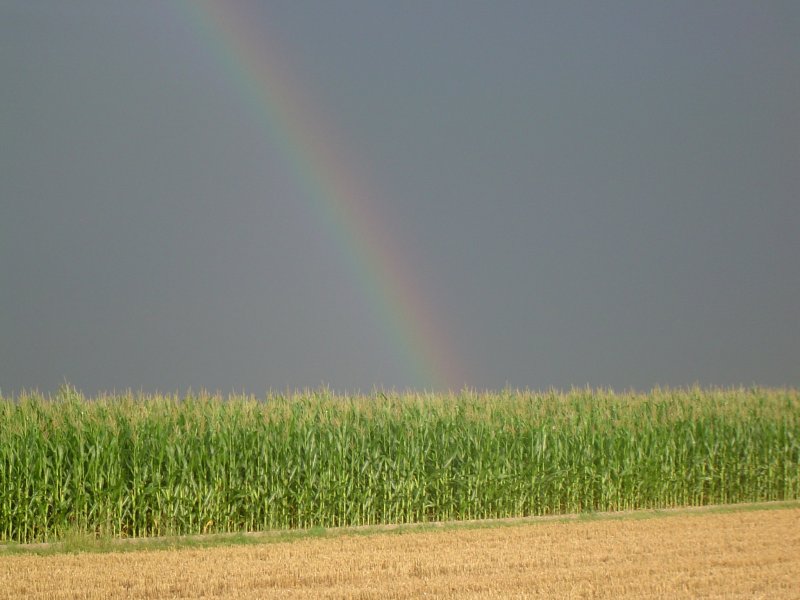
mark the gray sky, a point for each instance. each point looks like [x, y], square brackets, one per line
[585, 193]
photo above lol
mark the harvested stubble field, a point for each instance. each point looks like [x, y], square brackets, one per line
[700, 554]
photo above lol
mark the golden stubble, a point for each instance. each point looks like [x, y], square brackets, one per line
[753, 554]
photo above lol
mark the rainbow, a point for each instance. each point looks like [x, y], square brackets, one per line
[339, 195]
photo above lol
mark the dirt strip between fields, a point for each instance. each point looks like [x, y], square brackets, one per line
[752, 554]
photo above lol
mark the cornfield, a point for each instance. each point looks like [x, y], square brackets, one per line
[137, 465]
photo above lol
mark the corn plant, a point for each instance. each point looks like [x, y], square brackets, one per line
[137, 465]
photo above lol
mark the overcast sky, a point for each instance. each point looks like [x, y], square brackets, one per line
[601, 193]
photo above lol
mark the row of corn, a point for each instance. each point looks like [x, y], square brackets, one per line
[135, 465]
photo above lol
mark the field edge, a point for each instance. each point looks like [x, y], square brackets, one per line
[81, 543]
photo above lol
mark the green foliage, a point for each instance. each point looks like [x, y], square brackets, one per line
[134, 466]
